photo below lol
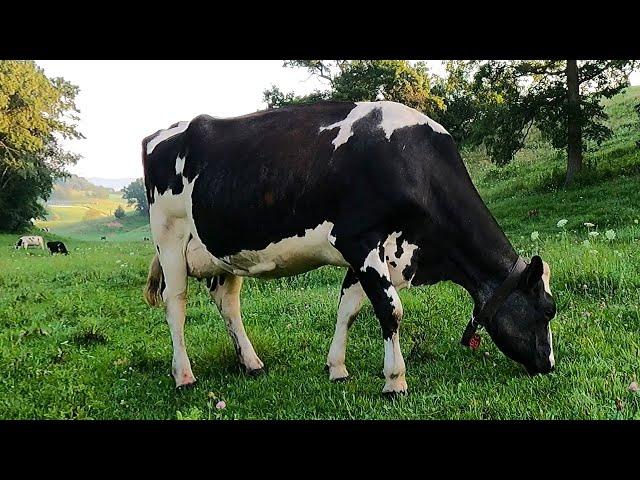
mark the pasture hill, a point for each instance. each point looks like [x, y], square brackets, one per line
[80, 209]
[78, 341]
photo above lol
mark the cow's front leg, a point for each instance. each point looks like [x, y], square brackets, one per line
[367, 259]
[225, 292]
[174, 267]
[351, 297]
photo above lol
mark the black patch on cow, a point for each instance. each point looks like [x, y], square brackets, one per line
[399, 249]
[393, 264]
[160, 165]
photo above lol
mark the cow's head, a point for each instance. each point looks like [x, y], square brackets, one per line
[520, 326]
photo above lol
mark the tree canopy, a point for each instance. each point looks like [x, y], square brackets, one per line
[35, 113]
[496, 103]
[364, 80]
[136, 194]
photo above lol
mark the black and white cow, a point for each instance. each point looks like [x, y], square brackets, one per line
[30, 241]
[57, 247]
[378, 188]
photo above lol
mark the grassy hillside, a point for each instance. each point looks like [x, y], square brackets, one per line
[77, 340]
[83, 216]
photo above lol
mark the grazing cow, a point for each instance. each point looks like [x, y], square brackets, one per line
[375, 187]
[103, 238]
[57, 247]
[30, 241]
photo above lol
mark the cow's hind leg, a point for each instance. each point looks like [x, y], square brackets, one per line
[225, 292]
[366, 256]
[171, 254]
[351, 297]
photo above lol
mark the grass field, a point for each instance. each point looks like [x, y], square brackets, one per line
[78, 341]
[88, 218]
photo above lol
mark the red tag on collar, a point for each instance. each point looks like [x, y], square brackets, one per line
[474, 343]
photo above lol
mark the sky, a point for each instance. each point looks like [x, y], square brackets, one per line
[121, 102]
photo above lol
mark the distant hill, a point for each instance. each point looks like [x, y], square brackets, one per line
[115, 183]
[74, 187]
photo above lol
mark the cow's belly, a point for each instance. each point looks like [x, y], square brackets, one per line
[289, 256]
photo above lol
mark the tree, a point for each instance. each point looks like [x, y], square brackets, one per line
[364, 80]
[562, 98]
[119, 212]
[637, 109]
[35, 111]
[136, 194]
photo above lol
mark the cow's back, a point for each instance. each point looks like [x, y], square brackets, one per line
[258, 179]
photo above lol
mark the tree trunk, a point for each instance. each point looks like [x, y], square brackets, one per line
[574, 127]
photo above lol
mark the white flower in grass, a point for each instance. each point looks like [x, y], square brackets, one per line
[593, 234]
[586, 243]
[535, 235]
[562, 223]
[588, 224]
[610, 234]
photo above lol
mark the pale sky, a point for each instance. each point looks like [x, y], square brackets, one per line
[121, 102]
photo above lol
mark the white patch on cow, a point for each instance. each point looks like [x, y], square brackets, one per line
[373, 261]
[401, 262]
[289, 256]
[394, 116]
[179, 165]
[350, 303]
[392, 293]
[165, 134]
[552, 359]
[394, 367]
[546, 277]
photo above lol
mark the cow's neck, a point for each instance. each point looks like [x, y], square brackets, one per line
[480, 256]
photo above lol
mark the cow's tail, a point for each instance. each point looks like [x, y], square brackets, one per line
[155, 281]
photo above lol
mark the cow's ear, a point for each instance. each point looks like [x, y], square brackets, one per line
[532, 274]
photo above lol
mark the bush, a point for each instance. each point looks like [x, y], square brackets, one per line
[119, 213]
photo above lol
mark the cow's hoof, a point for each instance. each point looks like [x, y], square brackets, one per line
[391, 395]
[186, 386]
[340, 379]
[338, 373]
[395, 386]
[256, 372]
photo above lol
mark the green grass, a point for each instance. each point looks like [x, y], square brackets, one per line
[88, 217]
[78, 341]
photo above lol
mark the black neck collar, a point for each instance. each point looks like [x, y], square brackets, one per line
[490, 307]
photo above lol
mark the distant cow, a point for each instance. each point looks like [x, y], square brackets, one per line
[146, 239]
[103, 238]
[45, 229]
[30, 241]
[57, 247]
